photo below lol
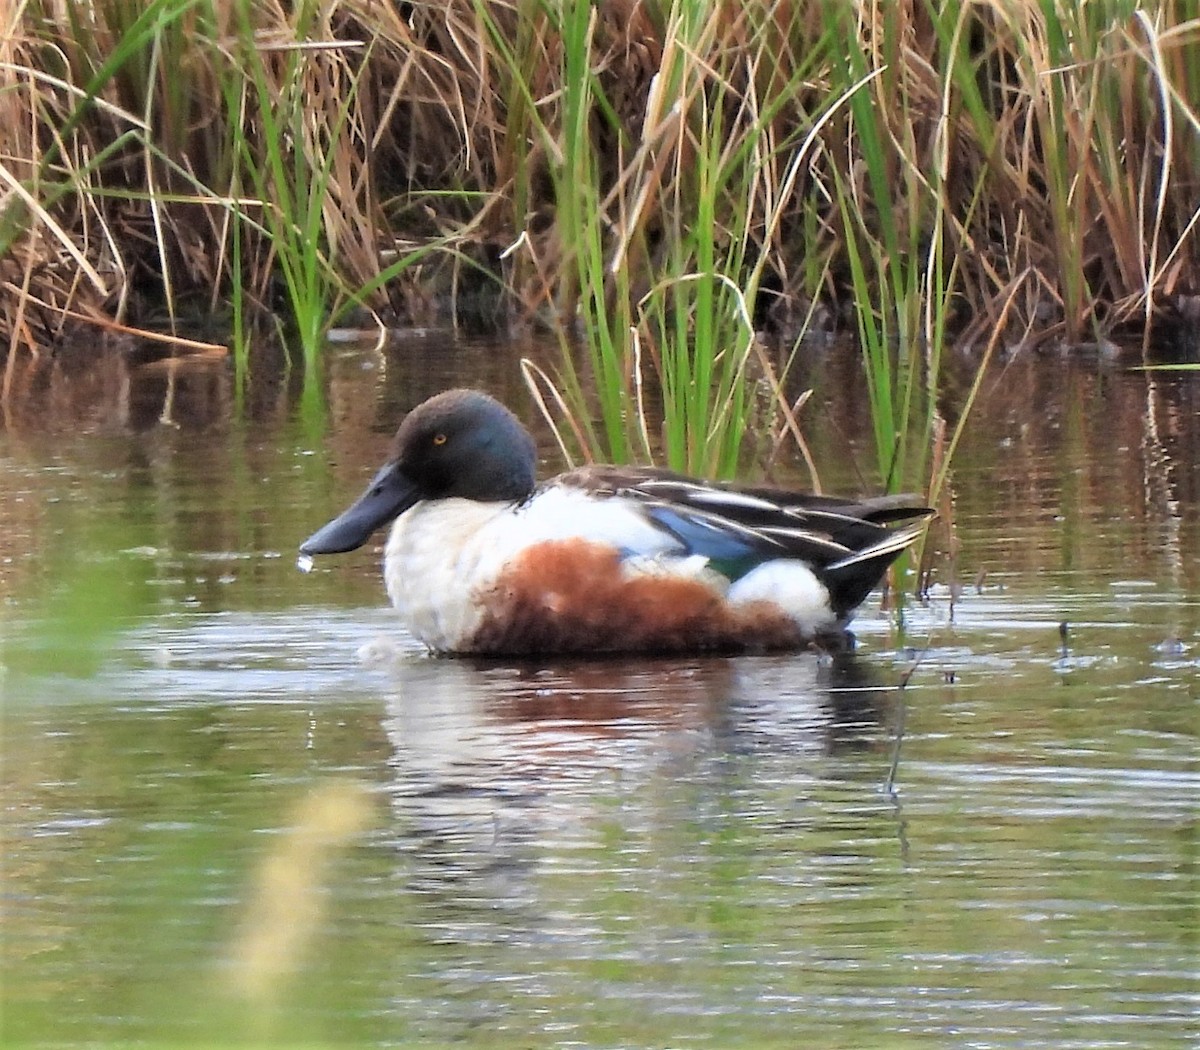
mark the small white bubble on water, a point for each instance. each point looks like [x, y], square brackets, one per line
[304, 563]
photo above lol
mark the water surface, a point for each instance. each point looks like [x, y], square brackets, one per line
[240, 805]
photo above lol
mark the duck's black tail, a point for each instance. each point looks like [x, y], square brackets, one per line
[852, 578]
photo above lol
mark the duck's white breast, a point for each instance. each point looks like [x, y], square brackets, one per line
[433, 557]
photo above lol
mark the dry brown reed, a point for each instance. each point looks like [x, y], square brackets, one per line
[1055, 145]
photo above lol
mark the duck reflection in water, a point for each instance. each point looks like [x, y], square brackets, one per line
[494, 763]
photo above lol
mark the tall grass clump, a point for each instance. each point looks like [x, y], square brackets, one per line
[891, 212]
[668, 211]
[651, 238]
[285, 161]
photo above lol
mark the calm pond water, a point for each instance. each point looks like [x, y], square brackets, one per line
[240, 806]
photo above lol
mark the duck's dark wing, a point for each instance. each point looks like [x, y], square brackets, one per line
[848, 543]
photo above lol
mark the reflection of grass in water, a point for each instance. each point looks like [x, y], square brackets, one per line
[144, 950]
[286, 904]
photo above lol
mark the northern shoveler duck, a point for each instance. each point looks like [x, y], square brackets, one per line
[483, 559]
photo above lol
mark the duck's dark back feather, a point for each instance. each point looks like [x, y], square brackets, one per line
[848, 537]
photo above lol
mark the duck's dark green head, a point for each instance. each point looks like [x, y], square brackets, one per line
[460, 443]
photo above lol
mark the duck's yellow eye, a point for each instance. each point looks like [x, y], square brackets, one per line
[439, 439]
